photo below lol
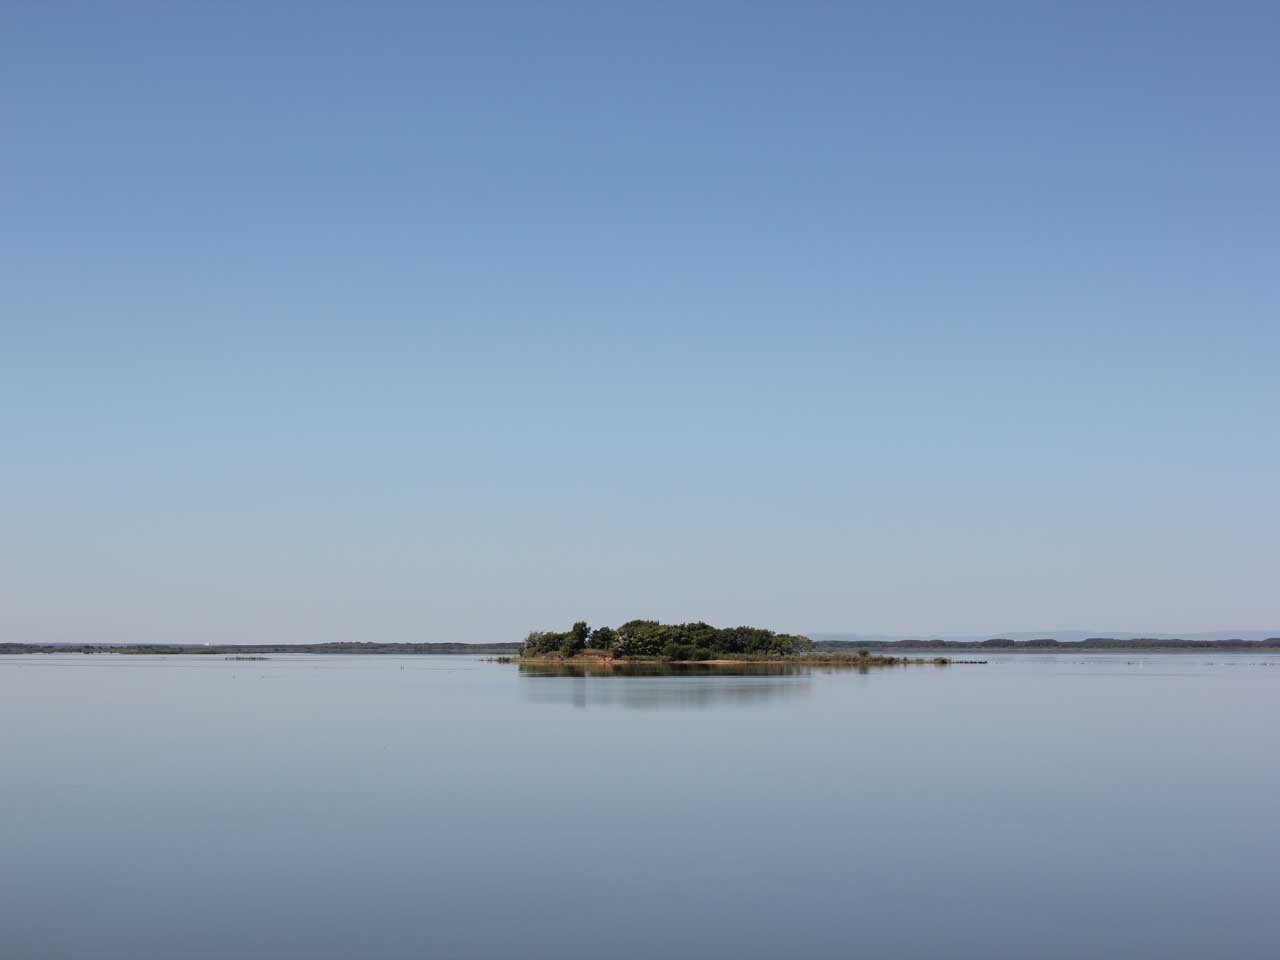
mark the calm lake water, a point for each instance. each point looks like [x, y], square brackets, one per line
[384, 807]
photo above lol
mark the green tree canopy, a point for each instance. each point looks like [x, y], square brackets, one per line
[673, 641]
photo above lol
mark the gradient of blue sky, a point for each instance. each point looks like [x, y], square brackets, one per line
[412, 321]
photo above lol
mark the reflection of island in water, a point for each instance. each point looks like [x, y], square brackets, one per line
[658, 685]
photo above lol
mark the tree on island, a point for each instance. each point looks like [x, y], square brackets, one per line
[575, 641]
[603, 638]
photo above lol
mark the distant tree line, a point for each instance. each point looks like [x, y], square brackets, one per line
[1048, 643]
[670, 641]
[328, 648]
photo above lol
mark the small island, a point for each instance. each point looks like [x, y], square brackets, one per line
[690, 643]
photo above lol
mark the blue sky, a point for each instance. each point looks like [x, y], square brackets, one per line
[419, 322]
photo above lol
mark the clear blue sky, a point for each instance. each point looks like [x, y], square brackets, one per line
[423, 322]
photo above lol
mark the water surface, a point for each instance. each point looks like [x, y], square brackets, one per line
[1049, 806]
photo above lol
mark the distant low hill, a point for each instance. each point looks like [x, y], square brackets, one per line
[1062, 636]
[1242, 640]
[404, 649]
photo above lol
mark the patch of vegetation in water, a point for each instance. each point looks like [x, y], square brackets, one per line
[692, 643]
[649, 638]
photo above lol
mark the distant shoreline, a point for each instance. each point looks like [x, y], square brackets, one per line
[1048, 645]
[223, 649]
[820, 651]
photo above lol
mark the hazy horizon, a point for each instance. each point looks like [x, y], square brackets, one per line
[331, 322]
[1064, 636]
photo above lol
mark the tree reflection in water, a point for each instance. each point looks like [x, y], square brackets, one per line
[657, 686]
